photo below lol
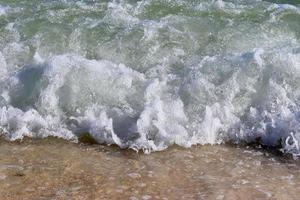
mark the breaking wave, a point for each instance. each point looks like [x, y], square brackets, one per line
[149, 74]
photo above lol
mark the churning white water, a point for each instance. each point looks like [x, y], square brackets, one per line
[149, 74]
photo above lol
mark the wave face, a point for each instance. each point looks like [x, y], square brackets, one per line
[149, 74]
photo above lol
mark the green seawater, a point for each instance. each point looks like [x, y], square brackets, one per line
[97, 31]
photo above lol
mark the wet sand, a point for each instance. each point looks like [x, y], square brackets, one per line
[56, 169]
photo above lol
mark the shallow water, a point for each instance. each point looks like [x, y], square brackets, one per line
[55, 169]
[148, 76]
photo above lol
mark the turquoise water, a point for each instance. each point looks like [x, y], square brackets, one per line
[153, 73]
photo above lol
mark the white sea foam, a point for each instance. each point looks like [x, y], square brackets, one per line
[3, 68]
[3, 10]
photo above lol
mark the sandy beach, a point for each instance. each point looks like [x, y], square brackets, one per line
[56, 169]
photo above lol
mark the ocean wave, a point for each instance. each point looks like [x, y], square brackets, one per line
[152, 74]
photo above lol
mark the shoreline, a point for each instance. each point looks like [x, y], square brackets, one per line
[57, 169]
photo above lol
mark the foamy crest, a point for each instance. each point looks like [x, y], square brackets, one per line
[16, 124]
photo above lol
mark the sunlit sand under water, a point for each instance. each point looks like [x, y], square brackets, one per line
[56, 169]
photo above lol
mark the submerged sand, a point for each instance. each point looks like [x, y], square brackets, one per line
[55, 169]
